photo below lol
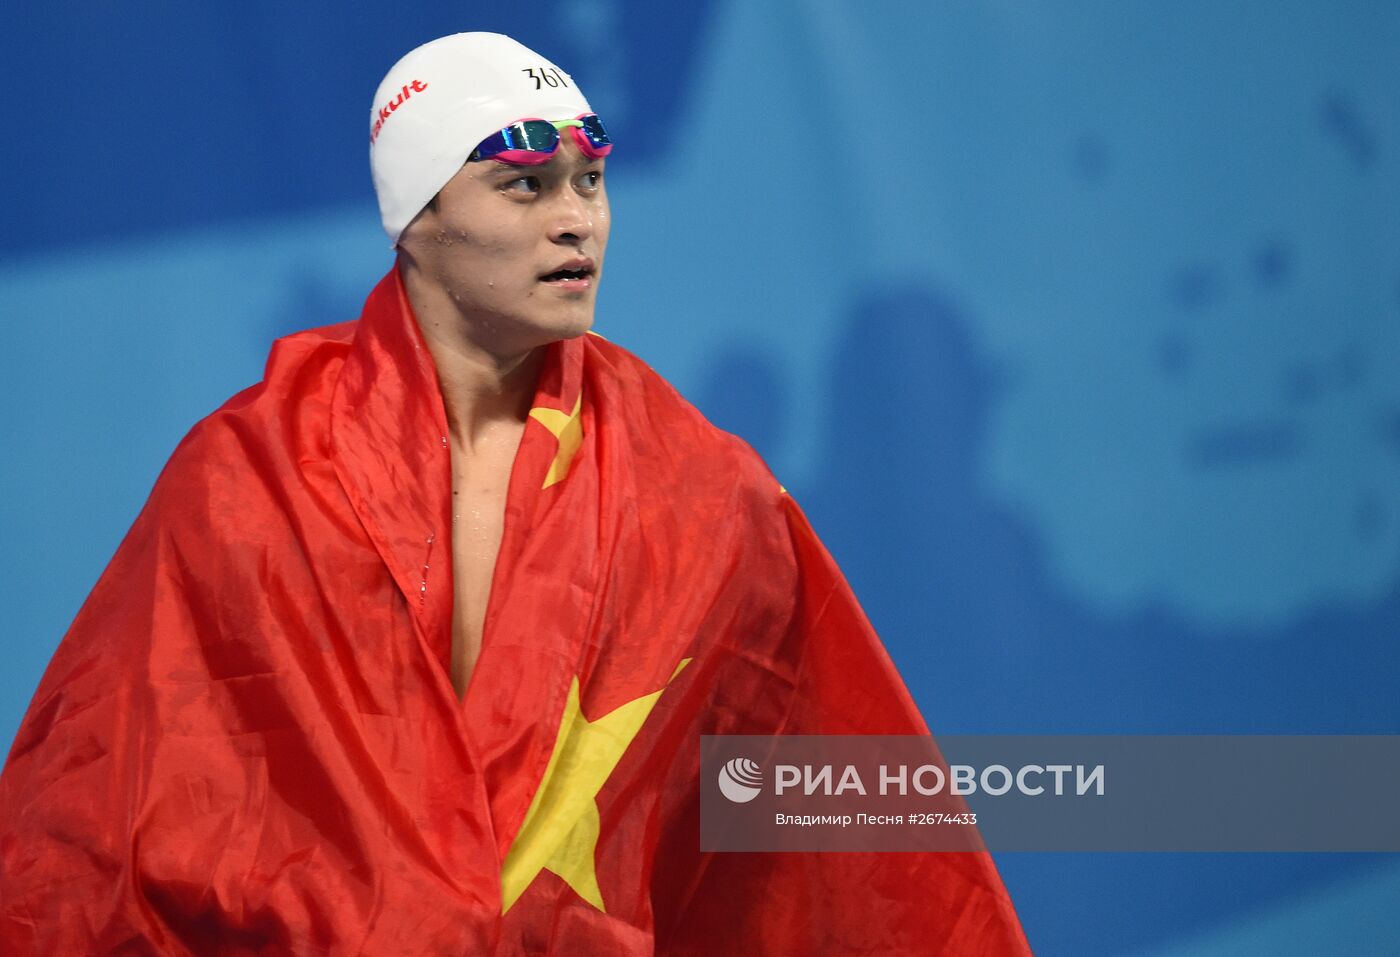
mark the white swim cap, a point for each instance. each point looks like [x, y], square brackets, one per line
[441, 100]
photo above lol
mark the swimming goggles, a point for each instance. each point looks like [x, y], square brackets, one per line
[530, 142]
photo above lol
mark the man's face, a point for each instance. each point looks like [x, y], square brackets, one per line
[498, 236]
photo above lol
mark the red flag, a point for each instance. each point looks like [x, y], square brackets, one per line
[248, 742]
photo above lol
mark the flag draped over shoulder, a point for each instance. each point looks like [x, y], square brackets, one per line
[248, 742]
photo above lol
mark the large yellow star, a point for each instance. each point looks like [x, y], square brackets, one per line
[560, 833]
[568, 429]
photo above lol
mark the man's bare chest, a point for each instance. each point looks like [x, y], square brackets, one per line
[479, 486]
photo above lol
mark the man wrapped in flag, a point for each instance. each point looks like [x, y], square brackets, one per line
[412, 646]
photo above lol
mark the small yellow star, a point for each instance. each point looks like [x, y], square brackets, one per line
[560, 833]
[567, 427]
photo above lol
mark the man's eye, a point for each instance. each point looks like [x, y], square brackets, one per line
[525, 184]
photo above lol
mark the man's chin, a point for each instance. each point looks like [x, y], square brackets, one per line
[570, 326]
[577, 329]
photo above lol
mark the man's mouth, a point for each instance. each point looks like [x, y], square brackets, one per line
[576, 273]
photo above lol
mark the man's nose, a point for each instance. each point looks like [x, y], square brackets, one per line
[573, 219]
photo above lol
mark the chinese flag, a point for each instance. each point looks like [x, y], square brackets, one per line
[248, 742]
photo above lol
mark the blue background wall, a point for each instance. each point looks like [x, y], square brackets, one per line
[1073, 326]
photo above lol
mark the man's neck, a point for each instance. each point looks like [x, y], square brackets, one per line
[484, 385]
